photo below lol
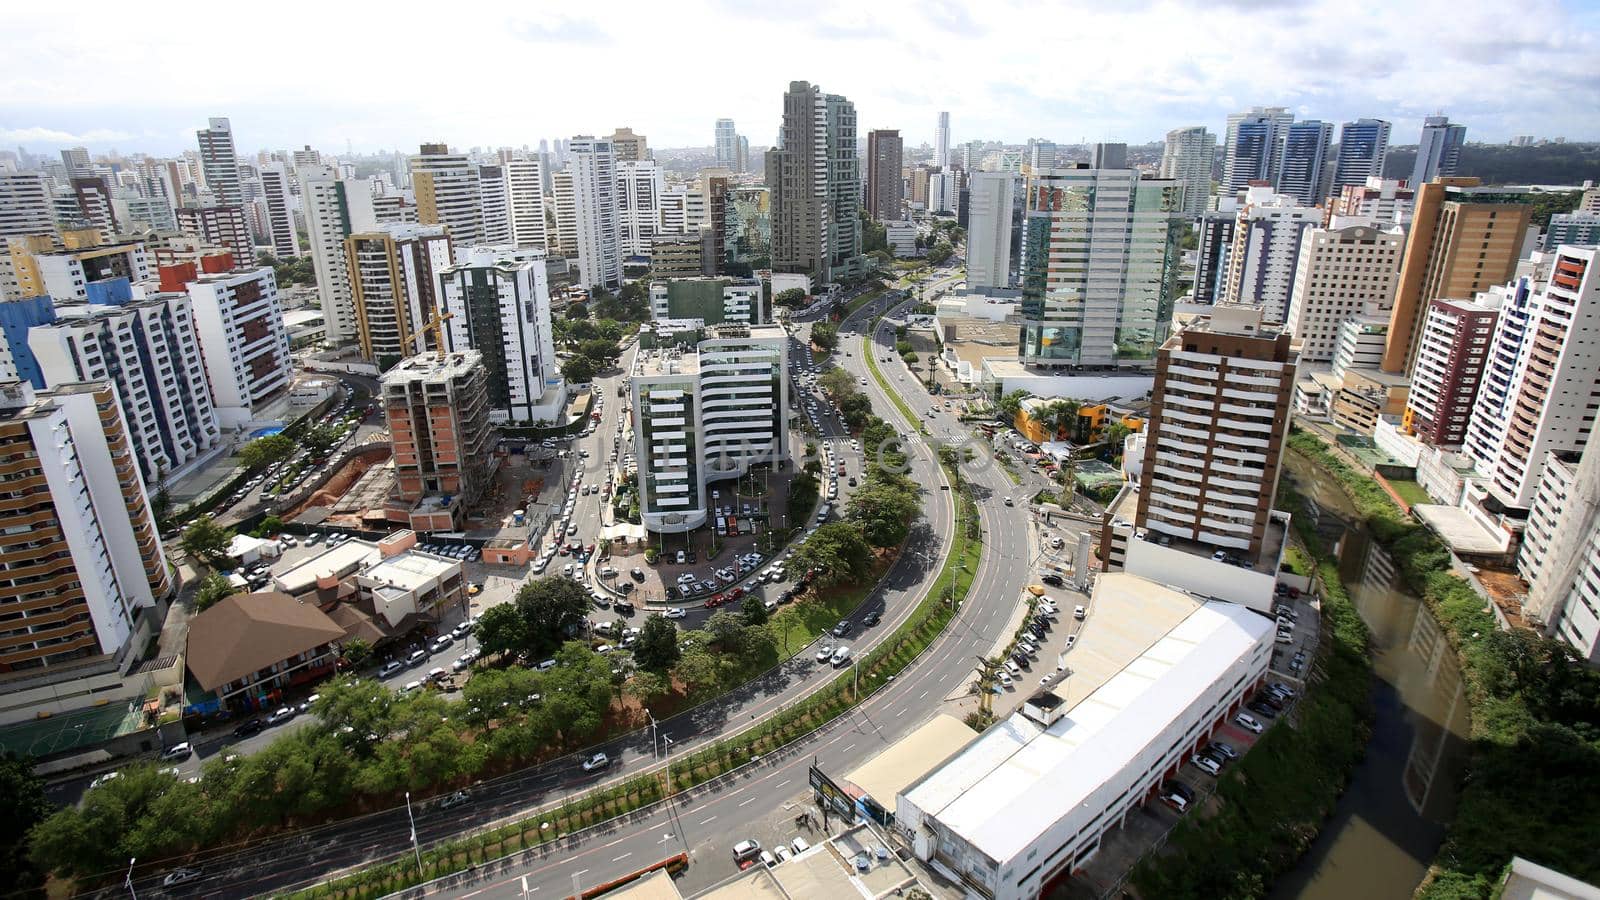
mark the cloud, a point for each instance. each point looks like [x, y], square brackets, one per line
[39, 135]
[559, 30]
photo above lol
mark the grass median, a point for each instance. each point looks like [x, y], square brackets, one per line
[900, 404]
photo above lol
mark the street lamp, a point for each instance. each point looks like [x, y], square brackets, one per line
[129, 880]
[414, 847]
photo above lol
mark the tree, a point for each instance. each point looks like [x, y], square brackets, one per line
[791, 297]
[837, 551]
[825, 335]
[1011, 404]
[264, 451]
[356, 652]
[884, 511]
[599, 349]
[578, 370]
[213, 588]
[319, 439]
[838, 383]
[753, 610]
[500, 629]
[645, 685]
[24, 805]
[577, 311]
[941, 252]
[207, 541]
[657, 649]
[697, 670]
[549, 608]
[725, 629]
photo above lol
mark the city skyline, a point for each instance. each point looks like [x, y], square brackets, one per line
[57, 96]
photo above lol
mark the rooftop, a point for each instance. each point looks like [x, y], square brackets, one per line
[907, 759]
[249, 632]
[338, 562]
[433, 367]
[411, 570]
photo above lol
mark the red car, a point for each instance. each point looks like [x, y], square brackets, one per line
[736, 593]
[563, 550]
[714, 601]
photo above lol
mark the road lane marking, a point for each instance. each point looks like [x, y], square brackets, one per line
[749, 801]
[622, 857]
[709, 821]
[580, 872]
[782, 783]
[848, 749]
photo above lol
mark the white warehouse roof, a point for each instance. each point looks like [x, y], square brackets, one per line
[989, 794]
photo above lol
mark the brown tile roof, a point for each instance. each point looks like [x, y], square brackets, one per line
[249, 632]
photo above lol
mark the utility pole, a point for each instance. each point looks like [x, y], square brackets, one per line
[414, 847]
[129, 880]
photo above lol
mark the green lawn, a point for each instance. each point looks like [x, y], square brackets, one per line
[872, 364]
[863, 300]
[1409, 491]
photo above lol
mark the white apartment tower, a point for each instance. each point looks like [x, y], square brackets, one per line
[1267, 234]
[219, 162]
[1560, 555]
[238, 317]
[639, 188]
[24, 210]
[1187, 159]
[941, 141]
[706, 415]
[499, 300]
[593, 169]
[1342, 273]
[334, 210]
[525, 197]
[280, 212]
[991, 197]
[566, 207]
[446, 185]
[494, 198]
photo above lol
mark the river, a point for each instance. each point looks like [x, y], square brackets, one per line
[1389, 823]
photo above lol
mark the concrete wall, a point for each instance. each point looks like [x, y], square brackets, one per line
[1200, 575]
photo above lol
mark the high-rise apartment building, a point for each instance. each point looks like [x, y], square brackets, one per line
[437, 408]
[1438, 150]
[714, 301]
[446, 185]
[1455, 248]
[1560, 555]
[991, 246]
[944, 191]
[494, 200]
[1214, 247]
[95, 206]
[597, 234]
[24, 211]
[1253, 147]
[629, 147]
[280, 213]
[1306, 170]
[885, 187]
[718, 230]
[77, 162]
[500, 306]
[1450, 366]
[219, 227]
[1187, 159]
[727, 145]
[1542, 373]
[1571, 228]
[525, 198]
[81, 272]
[815, 180]
[150, 351]
[941, 141]
[1099, 267]
[564, 199]
[393, 280]
[1341, 273]
[639, 188]
[334, 210]
[706, 415]
[219, 163]
[88, 560]
[238, 317]
[1363, 149]
[1219, 416]
[1266, 248]
[1041, 154]
[1381, 202]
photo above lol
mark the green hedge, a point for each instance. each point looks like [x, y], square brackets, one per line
[1273, 801]
[1535, 712]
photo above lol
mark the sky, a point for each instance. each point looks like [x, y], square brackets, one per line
[491, 73]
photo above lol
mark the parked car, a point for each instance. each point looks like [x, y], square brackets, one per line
[1248, 723]
[824, 654]
[1206, 764]
[177, 752]
[676, 612]
[390, 667]
[1221, 748]
[417, 658]
[247, 728]
[283, 714]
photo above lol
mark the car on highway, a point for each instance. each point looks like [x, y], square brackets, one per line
[179, 876]
[455, 799]
[841, 657]
[283, 714]
[596, 762]
[872, 618]
[1248, 723]
[841, 629]
[824, 653]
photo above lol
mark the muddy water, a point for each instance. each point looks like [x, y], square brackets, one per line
[1390, 821]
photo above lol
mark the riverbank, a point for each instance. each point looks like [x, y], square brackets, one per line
[1534, 709]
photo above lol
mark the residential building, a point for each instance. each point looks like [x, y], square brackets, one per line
[1342, 273]
[392, 209]
[1099, 267]
[96, 208]
[238, 317]
[814, 178]
[1041, 154]
[437, 407]
[1571, 228]
[334, 210]
[88, 565]
[77, 162]
[917, 186]
[593, 172]
[148, 214]
[499, 302]
[1363, 150]
[447, 191]
[149, 350]
[249, 650]
[218, 227]
[565, 201]
[1187, 159]
[944, 192]
[1214, 249]
[1219, 417]
[1560, 554]
[1306, 170]
[525, 198]
[1360, 344]
[1438, 150]
[1253, 147]
[219, 163]
[681, 254]
[640, 185]
[902, 239]
[991, 238]
[1450, 365]
[628, 147]
[86, 271]
[705, 415]
[280, 212]
[714, 301]
[1033, 797]
[727, 146]
[1456, 247]
[885, 188]
[1380, 201]
[24, 211]
[393, 280]
[718, 231]
[413, 586]
[1266, 248]
[494, 199]
[1543, 372]
[941, 141]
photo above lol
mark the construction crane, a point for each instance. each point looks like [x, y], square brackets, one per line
[436, 325]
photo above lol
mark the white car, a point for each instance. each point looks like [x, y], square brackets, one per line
[1248, 723]
[596, 762]
[676, 612]
[1206, 764]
